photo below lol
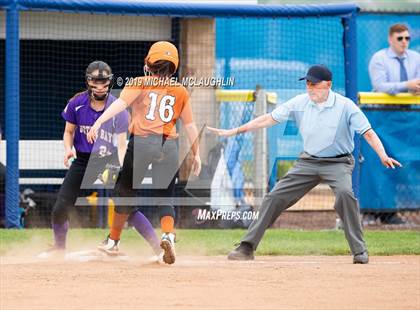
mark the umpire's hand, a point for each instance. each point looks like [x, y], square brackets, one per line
[223, 132]
[390, 162]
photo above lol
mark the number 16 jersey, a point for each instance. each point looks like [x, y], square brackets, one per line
[156, 105]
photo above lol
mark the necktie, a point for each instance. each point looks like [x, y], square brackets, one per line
[403, 72]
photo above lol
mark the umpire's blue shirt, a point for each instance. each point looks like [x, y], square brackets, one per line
[328, 129]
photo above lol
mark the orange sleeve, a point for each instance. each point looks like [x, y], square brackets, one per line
[186, 113]
[131, 92]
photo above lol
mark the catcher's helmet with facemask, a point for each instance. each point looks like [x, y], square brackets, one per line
[98, 72]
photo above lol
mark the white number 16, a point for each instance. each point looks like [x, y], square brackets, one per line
[166, 111]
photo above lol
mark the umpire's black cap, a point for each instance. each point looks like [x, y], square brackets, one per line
[317, 73]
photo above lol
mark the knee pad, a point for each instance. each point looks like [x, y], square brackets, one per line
[166, 211]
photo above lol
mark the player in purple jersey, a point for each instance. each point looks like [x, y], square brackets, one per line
[89, 161]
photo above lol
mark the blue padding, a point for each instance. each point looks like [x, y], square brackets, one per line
[4, 3]
[388, 189]
[186, 9]
[12, 100]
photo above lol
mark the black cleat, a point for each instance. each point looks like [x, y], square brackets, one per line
[244, 251]
[361, 258]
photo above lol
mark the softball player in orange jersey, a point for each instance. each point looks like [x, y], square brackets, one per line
[156, 105]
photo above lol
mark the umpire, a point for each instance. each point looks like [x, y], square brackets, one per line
[327, 122]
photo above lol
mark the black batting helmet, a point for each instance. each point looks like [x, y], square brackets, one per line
[104, 75]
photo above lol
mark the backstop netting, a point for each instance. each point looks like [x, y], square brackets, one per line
[259, 52]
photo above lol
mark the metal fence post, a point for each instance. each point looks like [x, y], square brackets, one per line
[260, 147]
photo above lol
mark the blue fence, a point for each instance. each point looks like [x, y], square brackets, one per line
[281, 45]
[387, 189]
[271, 40]
[334, 14]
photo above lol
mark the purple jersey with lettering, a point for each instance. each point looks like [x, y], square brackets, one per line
[79, 112]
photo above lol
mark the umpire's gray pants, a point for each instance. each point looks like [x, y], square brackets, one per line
[308, 172]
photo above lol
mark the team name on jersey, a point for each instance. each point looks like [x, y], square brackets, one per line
[105, 135]
[84, 129]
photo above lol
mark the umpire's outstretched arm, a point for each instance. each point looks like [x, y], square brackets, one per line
[262, 121]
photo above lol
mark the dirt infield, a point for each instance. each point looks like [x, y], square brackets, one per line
[281, 282]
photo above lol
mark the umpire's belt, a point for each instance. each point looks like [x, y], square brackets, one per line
[338, 156]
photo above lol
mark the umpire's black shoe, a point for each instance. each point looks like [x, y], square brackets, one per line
[392, 219]
[361, 258]
[244, 251]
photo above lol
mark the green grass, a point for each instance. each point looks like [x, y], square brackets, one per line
[220, 242]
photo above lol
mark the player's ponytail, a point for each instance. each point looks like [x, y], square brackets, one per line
[162, 68]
